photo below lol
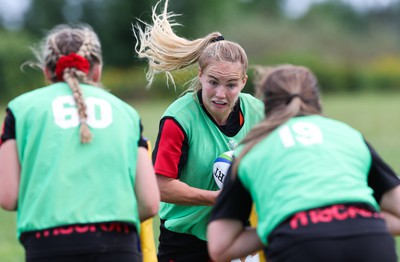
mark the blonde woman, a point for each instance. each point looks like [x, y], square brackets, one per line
[73, 161]
[316, 183]
[210, 118]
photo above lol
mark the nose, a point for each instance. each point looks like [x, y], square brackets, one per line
[220, 92]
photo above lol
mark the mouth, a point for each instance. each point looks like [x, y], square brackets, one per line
[220, 103]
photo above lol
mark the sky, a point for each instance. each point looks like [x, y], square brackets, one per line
[296, 8]
[13, 10]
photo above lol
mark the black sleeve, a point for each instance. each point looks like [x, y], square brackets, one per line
[142, 141]
[381, 177]
[234, 201]
[8, 130]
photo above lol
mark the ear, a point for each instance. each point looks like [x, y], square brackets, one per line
[47, 74]
[200, 73]
[244, 81]
[96, 72]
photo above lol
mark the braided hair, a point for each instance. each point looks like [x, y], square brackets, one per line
[82, 42]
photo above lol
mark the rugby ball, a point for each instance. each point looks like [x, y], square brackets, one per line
[221, 166]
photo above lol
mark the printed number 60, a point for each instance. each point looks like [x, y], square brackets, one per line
[66, 114]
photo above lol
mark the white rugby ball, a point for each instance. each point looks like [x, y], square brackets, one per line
[221, 166]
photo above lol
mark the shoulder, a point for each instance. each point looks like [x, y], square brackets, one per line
[330, 121]
[98, 92]
[252, 102]
[252, 107]
[35, 96]
[183, 105]
[329, 125]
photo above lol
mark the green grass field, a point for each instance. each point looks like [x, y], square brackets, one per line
[376, 116]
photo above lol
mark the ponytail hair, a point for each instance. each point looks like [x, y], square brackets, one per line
[166, 52]
[287, 91]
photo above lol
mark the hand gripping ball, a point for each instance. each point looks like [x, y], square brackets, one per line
[221, 166]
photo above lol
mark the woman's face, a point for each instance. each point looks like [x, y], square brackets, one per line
[221, 85]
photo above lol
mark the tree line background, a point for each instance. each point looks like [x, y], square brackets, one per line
[349, 50]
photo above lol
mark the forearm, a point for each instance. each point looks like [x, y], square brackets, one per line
[146, 189]
[392, 223]
[390, 207]
[390, 202]
[9, 175]
[245, 244]
[177, 192]
[228, 239]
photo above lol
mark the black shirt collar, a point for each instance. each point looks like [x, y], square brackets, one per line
[232, 126]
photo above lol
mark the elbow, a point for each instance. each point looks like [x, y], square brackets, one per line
[164, 196]
[8, 204]
[216, 246]
[216, 253]
[154, 206]
[162, 190]
[9, 207]
[153, 210]
[150, 211]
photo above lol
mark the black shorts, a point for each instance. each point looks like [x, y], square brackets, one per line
[365, 248]
[343, 232]
[179, 247]
[89, 242]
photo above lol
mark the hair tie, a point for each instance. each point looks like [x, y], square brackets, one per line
[71, 61]
[290, 98]
[218, 38]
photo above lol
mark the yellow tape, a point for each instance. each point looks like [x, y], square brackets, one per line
[147, 234]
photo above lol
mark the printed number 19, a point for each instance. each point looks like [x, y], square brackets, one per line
[302, 132]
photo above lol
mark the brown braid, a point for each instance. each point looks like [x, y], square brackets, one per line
[84, 50]
[71, 76]
[53, 55]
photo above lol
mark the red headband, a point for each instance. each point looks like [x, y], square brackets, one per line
[69, 61]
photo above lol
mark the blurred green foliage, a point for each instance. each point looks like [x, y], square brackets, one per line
[349, 51]
[14, 51]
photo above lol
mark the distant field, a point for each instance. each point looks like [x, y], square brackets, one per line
[376, 116]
